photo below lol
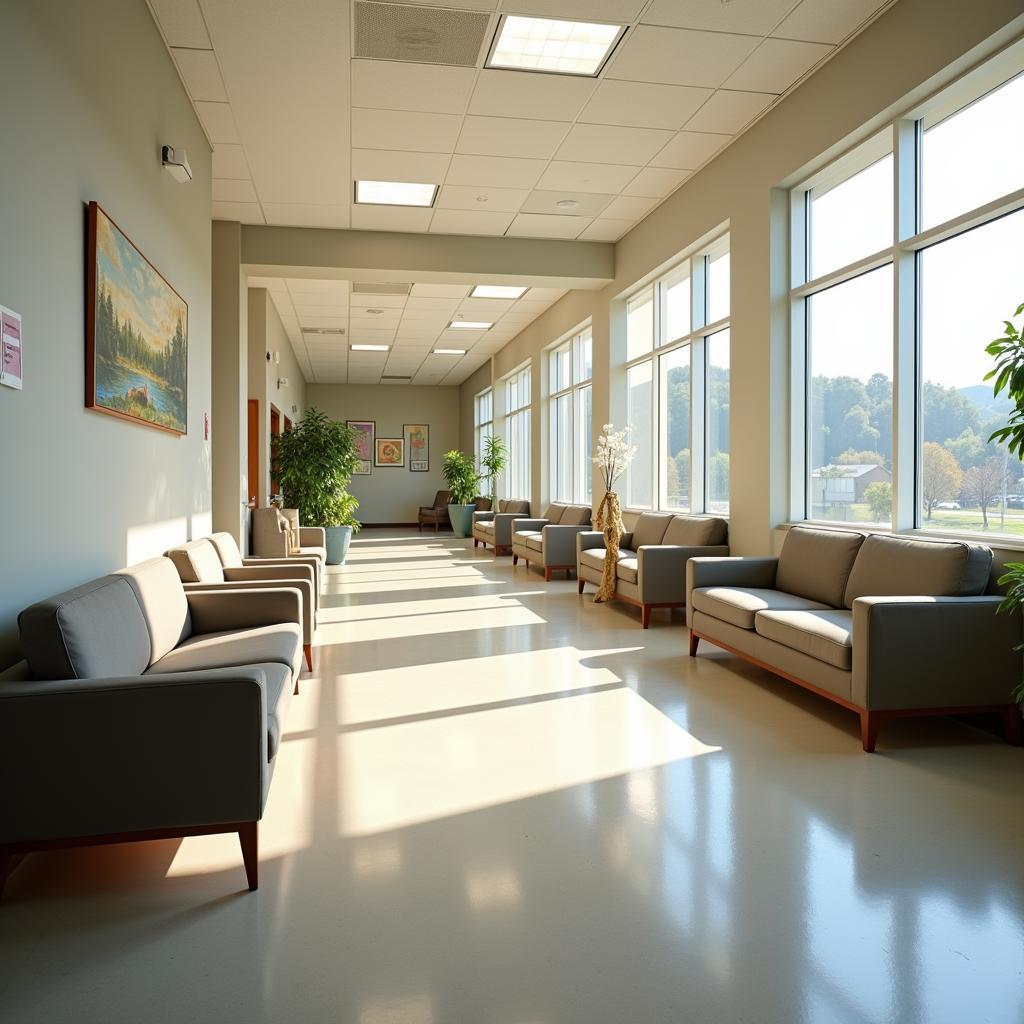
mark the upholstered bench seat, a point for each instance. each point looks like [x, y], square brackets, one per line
[279, 644]
[740, 605]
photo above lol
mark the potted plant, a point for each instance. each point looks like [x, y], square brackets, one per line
[314, 462]
[494, 461]
[463, 479]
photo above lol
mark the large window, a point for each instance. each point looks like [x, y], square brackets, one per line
[677, 386]
[483, 422]
[907, 263]
[518, 434]
[570, 404]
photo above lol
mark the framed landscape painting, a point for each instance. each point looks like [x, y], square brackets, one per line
[417, 442]
[366, 432]
[390, 451]
[136, 336]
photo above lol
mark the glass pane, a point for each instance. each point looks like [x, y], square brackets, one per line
[638, 385]
[561, 448]
[852, 219]
[969, 285]
[717, 404]
[583, 347]
[850, 358]
[677, 304]
[718, 287]
[584, 447]
[560, 360]
[675, 439]
[640, 324]
[974, 156]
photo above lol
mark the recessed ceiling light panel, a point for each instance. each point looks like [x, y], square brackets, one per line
[449, 351]
[558, 47]
[470, 325]
[369, 348]
[498, 291]
[395, 193]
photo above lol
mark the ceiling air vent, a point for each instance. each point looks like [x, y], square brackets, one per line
[323, 330]
[394, 379]
[370, 288]
[426, 35]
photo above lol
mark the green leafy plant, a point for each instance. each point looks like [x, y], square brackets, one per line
[462, 477]
[494, 461]
[313, 463]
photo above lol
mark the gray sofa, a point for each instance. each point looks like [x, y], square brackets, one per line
[651, 570]
[494, 529]
[886, 626]
[231, 558]
[144, 711]
[551, 540]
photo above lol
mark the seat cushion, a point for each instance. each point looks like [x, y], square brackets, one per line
[316, 552]
[627, 569]
[487, 526]
[534, 541]
[825, 635]
[197, 562]
[894, 566]
[815, 563]
[650, 528]
[739, 605]
[696, 531]
[161, 596]
[594, 557]
[576, 515]
[280, 644]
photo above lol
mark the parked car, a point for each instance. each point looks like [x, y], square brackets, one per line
[1015, 501]
[949, 506]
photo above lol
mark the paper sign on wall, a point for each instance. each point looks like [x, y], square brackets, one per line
[10, 346]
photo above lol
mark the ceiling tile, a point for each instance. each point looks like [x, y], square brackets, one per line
[507, 136]
[676, 56]
[728, 111]
[319, 286]
[365, 300]
[218, 121]
[754, 17]
[470, 222]
[643, 105]
[201, 75]
[404, 130]
[537, 225]
[501, 172]
[182, 23]
[524, 94]
[481, 199]
[827, 21]
[377, 165]
[585, 177]
[305, 309]
[629, 208]
[390, 218]
[229, 162]
[233, 190]
[440, 291]
[588, 204]
[398, 85]
[593, 142]
[438, 302]
[605, 230]
[580, 10]
[690, 150]
[307, 215]
[246, 213]
[656, 182]
[776, 64]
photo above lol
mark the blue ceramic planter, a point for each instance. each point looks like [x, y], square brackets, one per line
[338, 540]
[462, 519]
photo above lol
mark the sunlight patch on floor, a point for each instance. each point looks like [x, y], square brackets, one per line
[397, 609]
[406, 627]
[410, 581]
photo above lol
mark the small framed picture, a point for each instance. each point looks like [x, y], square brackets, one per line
[389, 451]
[417, 443]
[363, 468]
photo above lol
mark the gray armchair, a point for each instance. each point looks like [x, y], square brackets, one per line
[494, 529]
[551, 540]
[231, 558]
[270, 535]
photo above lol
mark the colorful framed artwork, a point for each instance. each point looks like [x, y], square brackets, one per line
[366, 432]
[417, 443]
[389, 451]
[136, 337]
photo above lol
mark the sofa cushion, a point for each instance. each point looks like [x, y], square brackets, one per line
[227, 549]
[280, 644]
[893, 566]
[739, 605]
[816, 563]
[320, 553]
[576, 515]
[484, 526]
[627, 569]
[594, 557]
[553, 514]
[534, 541]
[825, 635]
[696, 531]
[527, 539]
[162, 597]
[516, 505]
[94, 630]
[650, 528]
[197, 562]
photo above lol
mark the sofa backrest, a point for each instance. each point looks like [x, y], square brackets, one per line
[515, 505]
[266, 530]
[197, 562]
[95, 630]
[888, 566]
[227, 549]
[554, 513]
[442, 499]
[292, 516]
[164, 605]
[482, 504]
[696, 531]
[650, 528]
[816, 562]
[576, 515]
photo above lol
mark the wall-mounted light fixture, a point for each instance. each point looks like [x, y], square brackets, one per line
[176, 161]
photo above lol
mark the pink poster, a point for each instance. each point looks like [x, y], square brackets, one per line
[10, 343]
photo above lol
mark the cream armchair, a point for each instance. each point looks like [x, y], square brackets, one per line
[550, 541]
[494, 529]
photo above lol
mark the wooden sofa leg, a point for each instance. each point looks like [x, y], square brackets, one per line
[580, 584]
[547, 574]
[869, 722]
[1012, 724]
[248, 837]
[645, 616]
[515, 559]
[694, 640]
[307, 650]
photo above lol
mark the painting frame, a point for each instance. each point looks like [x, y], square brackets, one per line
[417, 436]
[397, 445]
[176, 356]
[365, 445]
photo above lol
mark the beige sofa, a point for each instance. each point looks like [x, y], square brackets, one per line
[651, 569]
[886, 626]
[494, 529]
[144, 711]
[270, 528]
[231, 558]
[551, 540]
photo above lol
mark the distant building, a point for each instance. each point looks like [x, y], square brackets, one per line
[845, 485]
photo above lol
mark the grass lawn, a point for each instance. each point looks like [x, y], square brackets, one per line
[965, 520]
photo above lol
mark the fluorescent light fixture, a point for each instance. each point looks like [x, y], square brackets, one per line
[369, 348]
[559, 47]
[449, 351]
[470, 325]
[395, 193]
[498, 291]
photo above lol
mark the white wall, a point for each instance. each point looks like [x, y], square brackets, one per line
[392, 495]
[89, 95]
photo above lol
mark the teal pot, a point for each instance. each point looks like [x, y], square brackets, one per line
[462, 519]
[338, 540]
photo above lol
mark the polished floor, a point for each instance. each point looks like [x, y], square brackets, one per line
[500, 803]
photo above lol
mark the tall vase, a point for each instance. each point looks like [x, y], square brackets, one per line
[609, 522]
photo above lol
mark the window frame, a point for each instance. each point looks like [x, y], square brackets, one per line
[518, 431]
[571, 392]
[483, 425]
